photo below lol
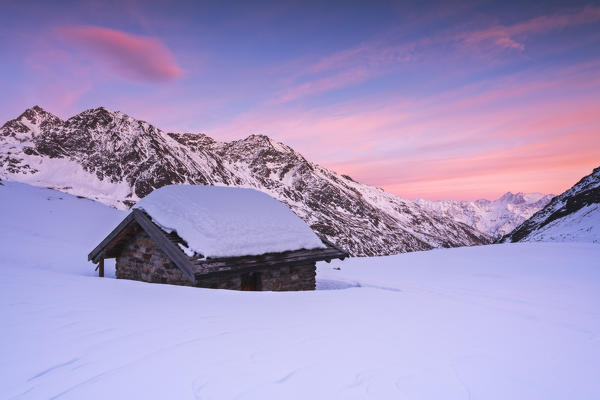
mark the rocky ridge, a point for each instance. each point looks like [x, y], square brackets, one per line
[116, 159]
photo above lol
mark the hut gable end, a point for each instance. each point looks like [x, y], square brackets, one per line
[112, 245]
[141, 259]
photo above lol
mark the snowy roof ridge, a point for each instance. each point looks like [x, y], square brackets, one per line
[219, 221]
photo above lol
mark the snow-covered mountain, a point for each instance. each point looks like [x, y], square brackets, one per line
[115, 159]
[574, 216]
[496, 218]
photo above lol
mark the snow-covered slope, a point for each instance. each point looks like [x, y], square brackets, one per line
[574, 216]
[48, 229]
[496, 218]
[488, 322]
[113, 158]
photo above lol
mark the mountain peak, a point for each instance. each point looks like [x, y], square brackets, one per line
[510, 197]
[31, 122]
[36, 109]
[254, 137]
[266, 141]
[36, 112]
[522, 198]
[98, 111]
[101, 109]
[98, 117]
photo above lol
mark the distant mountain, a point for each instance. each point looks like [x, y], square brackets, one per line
[495, 218]
[115, 159]
[572, 216]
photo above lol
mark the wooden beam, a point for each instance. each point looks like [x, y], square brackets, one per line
[290, 258]
[333, 245]
[101, 268]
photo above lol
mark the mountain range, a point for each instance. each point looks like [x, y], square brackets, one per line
[495, 218]
[116, 159]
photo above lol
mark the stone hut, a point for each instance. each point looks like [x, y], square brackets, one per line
[215, 237]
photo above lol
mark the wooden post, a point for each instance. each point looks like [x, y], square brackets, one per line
[101, 268]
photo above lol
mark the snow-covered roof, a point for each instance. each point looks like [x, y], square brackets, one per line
[218, 221]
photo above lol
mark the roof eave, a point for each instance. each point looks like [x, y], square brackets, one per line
[296, 257]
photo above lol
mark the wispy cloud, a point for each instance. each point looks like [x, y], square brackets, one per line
[324, 84]
[134, 57]
[510, 36]
[375, 57]
[344, 68]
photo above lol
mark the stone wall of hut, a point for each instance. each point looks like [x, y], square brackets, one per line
[300, 277]
[142, 260]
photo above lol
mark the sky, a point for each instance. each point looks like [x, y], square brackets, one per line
[435, 100]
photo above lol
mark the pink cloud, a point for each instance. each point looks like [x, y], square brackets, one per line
[130, 56]
[508, 43]
[504, 36]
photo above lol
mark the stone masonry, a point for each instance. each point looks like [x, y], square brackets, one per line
[301, 277]
[142, 260]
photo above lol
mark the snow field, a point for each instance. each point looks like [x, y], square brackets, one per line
[511, 321]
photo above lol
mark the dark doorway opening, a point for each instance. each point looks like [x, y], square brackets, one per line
[251, 281]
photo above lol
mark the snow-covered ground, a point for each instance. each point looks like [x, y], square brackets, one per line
[511, 321]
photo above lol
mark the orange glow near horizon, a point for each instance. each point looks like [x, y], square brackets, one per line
[525, 134]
